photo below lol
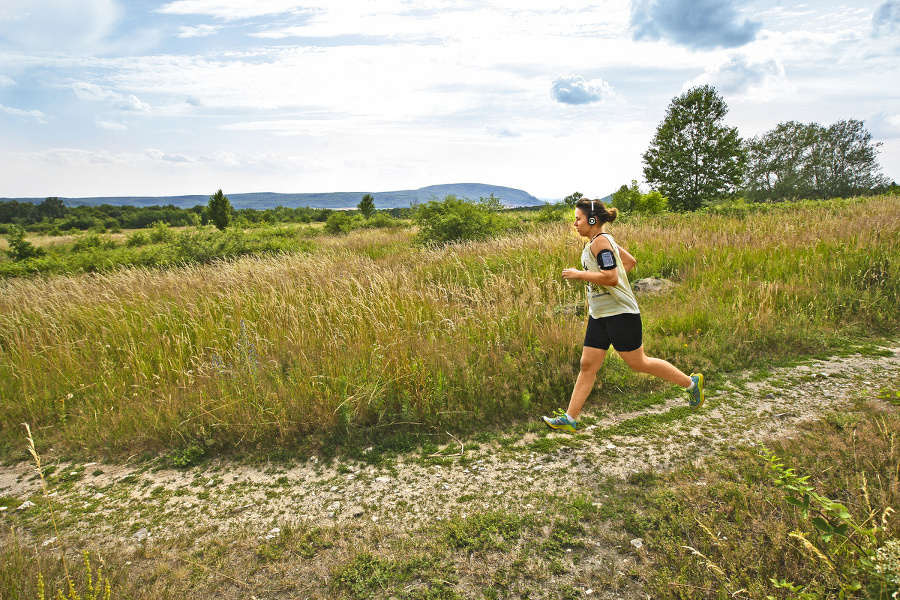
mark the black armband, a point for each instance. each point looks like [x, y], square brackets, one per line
[606, 259]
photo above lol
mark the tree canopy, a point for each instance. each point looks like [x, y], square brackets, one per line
[366, 206]
[219, 210]
[694, 158]
[800, 160]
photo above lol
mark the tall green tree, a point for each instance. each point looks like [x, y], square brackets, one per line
[779, 162]
[219, 208]
[847, 160]
[366, 206]
[51, 208]
[799, 160]
[694, 158]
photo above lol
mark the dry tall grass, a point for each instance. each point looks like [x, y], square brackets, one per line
[371, 333]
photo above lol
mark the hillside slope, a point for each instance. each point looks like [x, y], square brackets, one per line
[510, 197]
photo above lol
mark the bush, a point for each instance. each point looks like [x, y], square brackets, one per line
[91, 240]
[631, 200]
[382, 220]
[552, 213]
[161, 232]
[339, 223]
[455, 220]
[138, 238]
[19, 248]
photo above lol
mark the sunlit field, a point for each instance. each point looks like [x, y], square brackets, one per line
[365, 336]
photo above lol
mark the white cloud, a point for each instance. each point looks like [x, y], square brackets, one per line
[739, 76]
[110, 125]
[159, 155]
[231, 9]
[57, 25]
[575, 89]
[29, 114]
[198, 31]
[884, 125]
[387, 94]
[94, 93]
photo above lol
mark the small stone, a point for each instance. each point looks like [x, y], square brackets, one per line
[26, 505]
[637, 543]
[141, 535]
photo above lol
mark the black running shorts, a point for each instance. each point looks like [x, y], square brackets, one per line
[623, 331]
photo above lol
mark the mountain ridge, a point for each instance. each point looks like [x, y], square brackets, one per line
[508, 196]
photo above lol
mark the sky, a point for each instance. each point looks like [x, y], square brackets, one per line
[163, 98]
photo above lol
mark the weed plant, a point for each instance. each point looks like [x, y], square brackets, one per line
[367, 338]
[750, 526]
[27, 573]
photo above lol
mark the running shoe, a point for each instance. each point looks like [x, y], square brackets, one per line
[696, 395]
[561, 422]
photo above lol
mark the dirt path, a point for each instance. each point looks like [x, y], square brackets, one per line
[126, 505]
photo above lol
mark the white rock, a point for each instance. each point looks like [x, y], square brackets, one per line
[637, 543]
[26, 505]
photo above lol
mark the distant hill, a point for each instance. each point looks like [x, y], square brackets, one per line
[510, 197]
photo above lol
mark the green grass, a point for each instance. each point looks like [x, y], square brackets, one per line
[344, 346]
[727, 526]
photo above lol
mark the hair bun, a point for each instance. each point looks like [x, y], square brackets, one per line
[611, 214]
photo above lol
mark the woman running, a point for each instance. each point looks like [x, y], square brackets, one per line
[614, 315]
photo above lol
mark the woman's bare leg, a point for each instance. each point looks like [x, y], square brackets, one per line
[591, 361]
[641, 363]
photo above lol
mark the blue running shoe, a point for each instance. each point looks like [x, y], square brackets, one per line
[561, 422]
[696, 395]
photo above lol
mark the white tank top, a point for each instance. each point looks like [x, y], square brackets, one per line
[605, 301]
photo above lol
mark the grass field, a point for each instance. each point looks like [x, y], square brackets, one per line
[368, 342]
[366, 334]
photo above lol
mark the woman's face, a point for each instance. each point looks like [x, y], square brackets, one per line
[581, 223]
